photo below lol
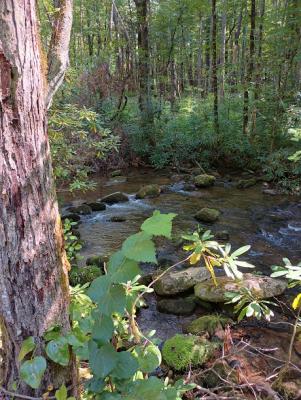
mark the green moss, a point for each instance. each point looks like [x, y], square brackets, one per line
[204, 180]
[80, 276]
[181, 351]
[148, 191]
[207, 323]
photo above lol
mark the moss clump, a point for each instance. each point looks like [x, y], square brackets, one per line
[207, 323]
[80, 276]
[181, 351]
[148, 191]
[204, 180]
[207, 215]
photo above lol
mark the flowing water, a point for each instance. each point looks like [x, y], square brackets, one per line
[270, 224]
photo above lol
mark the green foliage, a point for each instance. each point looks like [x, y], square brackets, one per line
[27, 347]
[215, 255]
[72, 243]
[247, 305]
[32, 371]
[80, 276]
[68, 125]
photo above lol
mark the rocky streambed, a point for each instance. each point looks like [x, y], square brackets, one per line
[241, 211]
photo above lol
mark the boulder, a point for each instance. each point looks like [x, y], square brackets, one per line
[184, 351]
[207, 215]
[180, 306]
[71, 216]
[174, 282]
[117, 172]
[148, 191]
[263, 287]
[222, 235]
[246, 183]
[206, 324]
[118, 218]
[116, 197]
[97, 206]
[204, 180]
[83, 209]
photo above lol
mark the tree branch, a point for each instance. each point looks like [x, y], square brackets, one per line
[58, 55]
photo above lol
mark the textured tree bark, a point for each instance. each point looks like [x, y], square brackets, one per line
[223, 48]
[144, 62]
[33, 266]
[250, 68]
[214, 67]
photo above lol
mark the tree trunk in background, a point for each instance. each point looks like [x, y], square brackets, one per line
[144, 63]
[250, 68]
[33, 266]
[214, 67]
[223, 48]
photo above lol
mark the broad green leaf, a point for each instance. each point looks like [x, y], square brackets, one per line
[99, 288]
[58, 351]
[149, 389]
[149, 357]
[159, 224]
[140, 247]
[28, 346]
[114, 301]
[103, 329]
[32, 371]
[102, 360]
[61, 393]
[126, 367]
[122, 269]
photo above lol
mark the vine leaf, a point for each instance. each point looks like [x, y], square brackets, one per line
[32, 371]
[58, 351]
[126, 367]
[140, 247]
[149, 357]
[159, 224]
[122, 269]
[28, 346]
[102, 361]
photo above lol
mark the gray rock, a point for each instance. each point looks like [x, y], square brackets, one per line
[246, 183]
[263, 286]
[71, 216]
[116, 197]
[118, 218]
[174, 282]
[207, 215]
[222, 235]
[83, 209]
[97, 206]
[182, 306]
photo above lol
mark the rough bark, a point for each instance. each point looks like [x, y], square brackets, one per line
[33, 266]
[223, 48]
[214, 67]
[144, 72]
[250, 68]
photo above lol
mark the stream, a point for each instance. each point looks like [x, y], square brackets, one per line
[270, 224]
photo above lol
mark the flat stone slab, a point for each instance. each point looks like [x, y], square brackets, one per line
[263, 287]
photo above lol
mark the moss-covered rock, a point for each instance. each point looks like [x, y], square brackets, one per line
[204, 180]
[83, 209]
[206, 323]
[71, 216]
[97, 206]
[148, 191]
[246, 183]
[80, 276]
[181, 351]
[180, 306]
[118, 218]
[97, 261]
[222, 235]
[116, 197]
[207, 215]
[263, 287]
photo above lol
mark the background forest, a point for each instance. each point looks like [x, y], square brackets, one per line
[168, 83]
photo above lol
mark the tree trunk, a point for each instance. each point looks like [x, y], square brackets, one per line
[33, 266]
[223, 49]
[145, 100]
[250, 68]
[214, 67]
